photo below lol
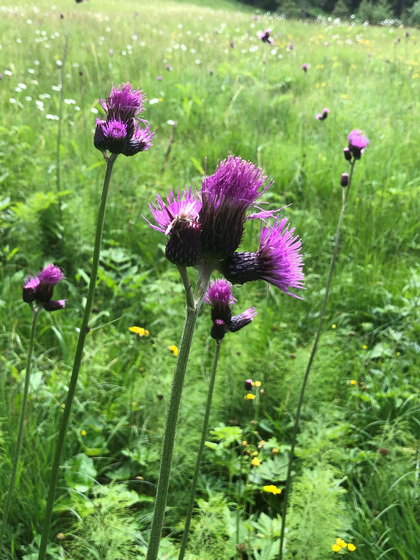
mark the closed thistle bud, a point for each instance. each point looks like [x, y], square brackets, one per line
[344, 180]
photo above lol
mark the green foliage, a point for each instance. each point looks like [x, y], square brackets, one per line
[374, 12]
[414, 14]
[317, 514]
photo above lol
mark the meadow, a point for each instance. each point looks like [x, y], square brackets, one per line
[213, 89]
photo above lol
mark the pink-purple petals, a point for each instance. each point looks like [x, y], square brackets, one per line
[123, 132]
[38, 290]
[219, 297]
[183, 206]
[357, 143]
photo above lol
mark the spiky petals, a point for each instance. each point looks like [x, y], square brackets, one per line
[39, 290]
[178, 218]
[242, 320]
[226, 197]
[278, 260]
[123, 103]
[140, 141]
[122, 132]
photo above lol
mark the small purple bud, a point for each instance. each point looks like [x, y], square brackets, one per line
[159, 78]
[248, 384]
[344, 180]
[347, 154]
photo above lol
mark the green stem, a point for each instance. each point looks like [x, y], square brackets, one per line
[193, 307]
[311, 359]
[84, 329]
[200, 451]
[20, 429]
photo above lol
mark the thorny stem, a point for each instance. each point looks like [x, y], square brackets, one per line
[311, 358]
[84, 329]
[200, 451]
[20, 429]
[193, 307]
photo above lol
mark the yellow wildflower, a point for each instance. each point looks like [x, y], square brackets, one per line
[83, 433]
[341, 543]
[274, 451]
[255, 462]
[249, 396]
[257, 383]
[353, 382]
[334, 326]
[336, 548]
[139, 330]
[272, 489]
[244, 443]
[173, 349]
[351, 547]
[364, 347]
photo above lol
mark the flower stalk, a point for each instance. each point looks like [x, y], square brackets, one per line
[84, 329]
[200, 451]
[16, 455]
[345, 196]
[192, 309]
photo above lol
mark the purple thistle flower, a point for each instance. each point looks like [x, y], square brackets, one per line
[219, 297]
[121, 133]
[264, 36]
[178, 218]
[39, 289]
[123, 103]
[248, 384]
[159, 78]
[322, 116]
[141, 140]
[305, 67]
[357, 143]
[278, 260]
[226, 197]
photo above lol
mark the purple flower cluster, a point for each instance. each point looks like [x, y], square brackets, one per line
[322, 116]
[219, 297]
[38, 291]
[264, 36]
[357, 145]
[206, 228]
[122, 131]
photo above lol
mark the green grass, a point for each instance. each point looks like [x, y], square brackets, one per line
[369, 83]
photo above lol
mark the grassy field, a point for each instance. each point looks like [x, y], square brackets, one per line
[357, 469]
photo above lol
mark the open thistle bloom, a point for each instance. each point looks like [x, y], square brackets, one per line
[264, 36]
[178, 218]
[219, 297]
[38, 291]
[278, 261]
[357, 143]
[121, 132]
[226, 197]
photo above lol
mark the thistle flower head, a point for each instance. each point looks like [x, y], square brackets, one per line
[322, 116]
[219, 297]
[278, 261]
[123, 103]
[226, 197]
[38, 290]
[121, 132]
[357, 143]
[264, 36]
[178, 218]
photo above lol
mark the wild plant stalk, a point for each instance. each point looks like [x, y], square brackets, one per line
[200, 451]
[264, 60]
[84, 329]
[345, 196]
[169, 148]
[194, 302]
[16, 455]
[60, 118]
